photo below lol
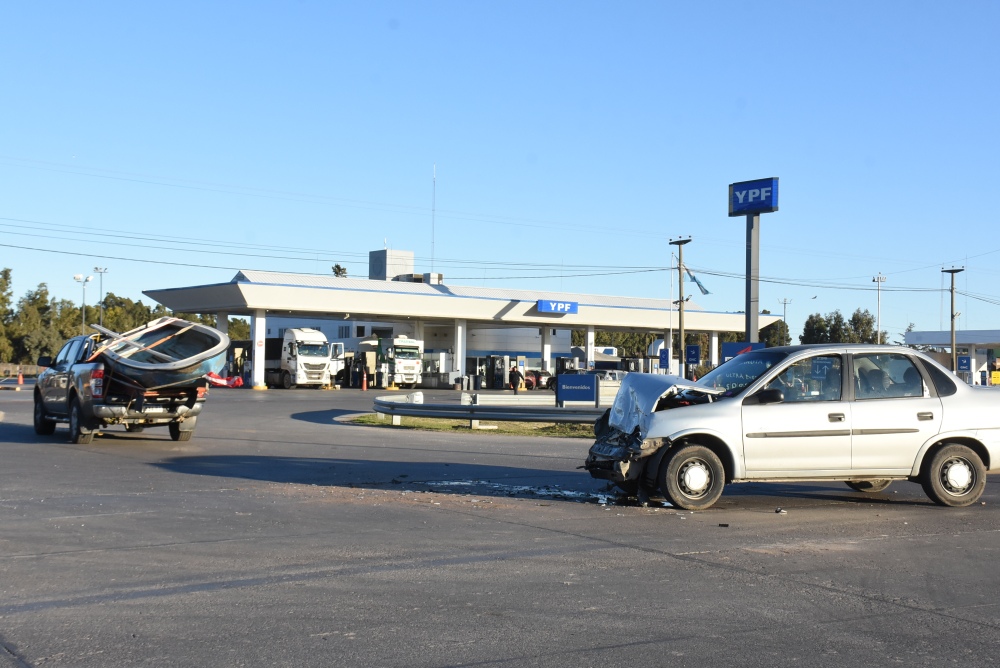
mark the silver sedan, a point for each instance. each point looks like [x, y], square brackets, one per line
[862, 414]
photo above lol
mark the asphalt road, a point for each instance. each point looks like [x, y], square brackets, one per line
[279, 536]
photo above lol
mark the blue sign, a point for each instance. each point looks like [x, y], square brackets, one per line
[731, 350]
[692, 355]
[820, 367]
[664, 359]
[582, 387]
[550, 306]
[747, 197]
[964, 363]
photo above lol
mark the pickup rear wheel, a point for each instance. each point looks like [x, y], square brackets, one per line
[176, 433]
[692, 478]
[43, 427]
[78, 433]
[954, 476]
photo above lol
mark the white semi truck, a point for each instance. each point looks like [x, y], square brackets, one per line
[301, 357]
[397, 361]
[406, 361]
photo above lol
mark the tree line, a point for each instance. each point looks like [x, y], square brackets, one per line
[830, 328]
[39, 323]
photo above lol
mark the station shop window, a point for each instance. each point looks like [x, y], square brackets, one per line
[361, 330]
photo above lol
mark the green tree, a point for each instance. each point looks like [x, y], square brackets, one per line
[239, 329]
[339, 271]
[775, 334]
[840, 329]
[815, 330]
[6, 347]
[862, 325]
[65, 318]
[31, 333]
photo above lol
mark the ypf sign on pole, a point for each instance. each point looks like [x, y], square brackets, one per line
[750, 199]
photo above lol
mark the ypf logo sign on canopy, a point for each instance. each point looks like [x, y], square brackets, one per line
[749, 197]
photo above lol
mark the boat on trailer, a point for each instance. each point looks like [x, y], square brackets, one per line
[163, 353]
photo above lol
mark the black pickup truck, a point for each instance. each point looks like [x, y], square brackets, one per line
[80, 389]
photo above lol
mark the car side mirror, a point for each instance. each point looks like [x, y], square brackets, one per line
[45, 360]
[771, 395]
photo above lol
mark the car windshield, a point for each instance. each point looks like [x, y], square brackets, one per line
[314, 349]
[733, 376]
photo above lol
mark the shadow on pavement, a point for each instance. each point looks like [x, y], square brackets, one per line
[442, 477]
[503, 481]
[326, 416]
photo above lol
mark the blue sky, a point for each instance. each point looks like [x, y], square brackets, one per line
[571, 141]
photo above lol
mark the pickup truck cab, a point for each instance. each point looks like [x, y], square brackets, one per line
[76, 388]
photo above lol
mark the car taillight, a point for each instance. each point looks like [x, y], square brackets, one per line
[97, 382]
[202, 391]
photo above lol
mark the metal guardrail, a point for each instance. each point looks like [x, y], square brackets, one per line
[400, 406]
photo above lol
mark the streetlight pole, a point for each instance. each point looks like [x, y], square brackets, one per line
[101, 271]
[878, 281]
[680, 306]
[954, 350]
[79, 278]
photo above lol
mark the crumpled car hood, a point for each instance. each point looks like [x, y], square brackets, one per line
[639, 394]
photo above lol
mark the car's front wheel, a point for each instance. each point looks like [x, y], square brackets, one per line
[43, 426]
[78, 432]
[954, 476]
[692, 477]
[868, 486]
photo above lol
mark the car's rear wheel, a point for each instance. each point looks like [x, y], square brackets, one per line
[78, 432]
[868, 486]
[43, 426]
[178, 435]
[692, 478]
[954, 476]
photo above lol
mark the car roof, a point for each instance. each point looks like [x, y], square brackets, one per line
[851, 347]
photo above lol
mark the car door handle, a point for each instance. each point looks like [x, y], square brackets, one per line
[836, 417]
[925, 416]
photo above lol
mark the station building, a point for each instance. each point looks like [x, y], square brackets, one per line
[459, 324]
[979, 347]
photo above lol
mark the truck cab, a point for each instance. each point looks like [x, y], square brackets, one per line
[300, 357]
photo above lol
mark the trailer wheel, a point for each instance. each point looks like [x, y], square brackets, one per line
[286, 380]
[78, 433]
[176, 433]
[43, 426]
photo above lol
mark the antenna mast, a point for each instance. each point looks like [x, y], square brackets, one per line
[433, 212]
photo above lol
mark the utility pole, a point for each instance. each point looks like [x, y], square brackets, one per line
[784, 309]
[878, 281]
[954, 315]
[101, 271]
[680, 304]
[79, 278]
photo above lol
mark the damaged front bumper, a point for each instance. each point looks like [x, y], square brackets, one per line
[620, 458]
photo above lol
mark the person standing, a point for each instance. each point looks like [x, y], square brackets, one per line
[515, 378]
